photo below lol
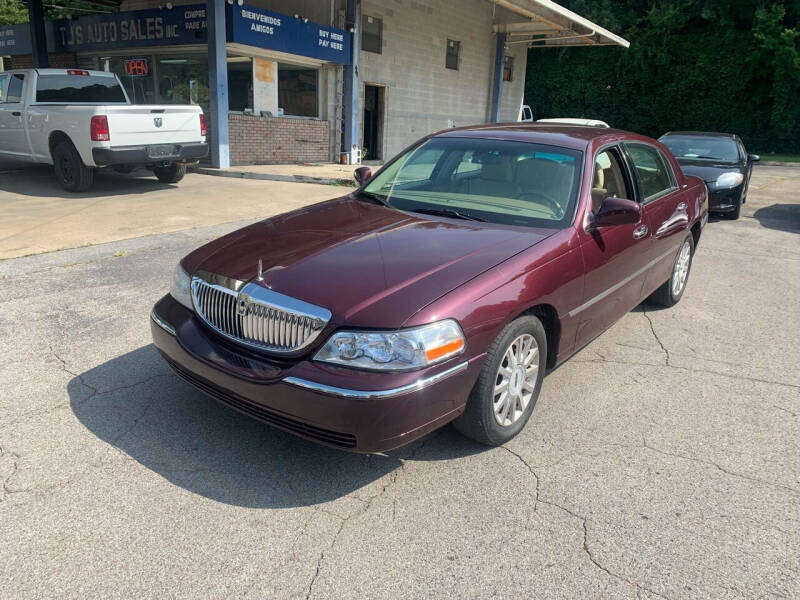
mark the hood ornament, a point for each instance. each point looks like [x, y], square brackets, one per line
[260, 271]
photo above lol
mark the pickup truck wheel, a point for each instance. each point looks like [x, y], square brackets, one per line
[170, 174]
[71, 173]
[671, 290]
[503, 398]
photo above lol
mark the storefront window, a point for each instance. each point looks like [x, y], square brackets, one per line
[183, 80]
[297, 91]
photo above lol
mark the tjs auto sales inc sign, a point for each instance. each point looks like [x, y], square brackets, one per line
[247, 25]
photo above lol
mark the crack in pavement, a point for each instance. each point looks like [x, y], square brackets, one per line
[689, 369]
[584, 523]
[655, 335]
[392, 480]
[713, 464]
[14, 467]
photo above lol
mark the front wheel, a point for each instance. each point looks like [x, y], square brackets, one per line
[171, 173]
[672, 290]
[508, 387]
[71, 173]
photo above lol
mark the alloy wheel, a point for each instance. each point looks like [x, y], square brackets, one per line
[681, 269]
[516, 380]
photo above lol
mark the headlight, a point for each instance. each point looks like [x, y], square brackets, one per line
[180, 288]
[729, 180]
[401, 350]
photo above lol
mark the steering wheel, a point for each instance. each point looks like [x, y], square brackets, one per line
[553, 205]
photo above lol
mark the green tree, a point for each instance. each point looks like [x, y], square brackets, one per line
[693, 64]
[12, 12]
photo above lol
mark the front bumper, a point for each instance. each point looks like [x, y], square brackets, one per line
[139, 155]
[724, 200]
[335, 406]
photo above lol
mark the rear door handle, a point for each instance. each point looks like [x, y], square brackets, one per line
[17, 113]
[640, 232]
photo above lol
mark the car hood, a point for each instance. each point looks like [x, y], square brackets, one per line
[707, 170]
[371, 266]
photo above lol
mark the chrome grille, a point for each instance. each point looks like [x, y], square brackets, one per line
[257, 316]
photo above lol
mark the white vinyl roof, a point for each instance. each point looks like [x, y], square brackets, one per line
[551, 25]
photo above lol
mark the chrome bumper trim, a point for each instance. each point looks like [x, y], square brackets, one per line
[371, 394]
[161, 323]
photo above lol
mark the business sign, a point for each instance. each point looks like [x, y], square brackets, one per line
[135, 29]
[258, 27]
[15, 39]
[247, 25]
[155, 27]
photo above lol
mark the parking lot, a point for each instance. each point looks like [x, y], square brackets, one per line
[662, 461]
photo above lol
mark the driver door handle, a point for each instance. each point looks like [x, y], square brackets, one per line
[640, 232]
[17, 113]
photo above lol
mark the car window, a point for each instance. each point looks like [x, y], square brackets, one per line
[419, 166]
[702, 147]
[608, 179]
[500, 181]
[11, 86]
[79, 88]
[652, 173]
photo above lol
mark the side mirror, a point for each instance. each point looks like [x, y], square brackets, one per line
[617, 211]
[753, 157]
[362, 175]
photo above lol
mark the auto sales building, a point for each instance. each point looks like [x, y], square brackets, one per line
[313, 80]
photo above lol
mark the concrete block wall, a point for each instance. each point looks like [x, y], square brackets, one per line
[423, 96]
[264, 140]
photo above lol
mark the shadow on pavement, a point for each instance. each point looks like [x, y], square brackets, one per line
[783, 217]
[145, 411]
[39, 181]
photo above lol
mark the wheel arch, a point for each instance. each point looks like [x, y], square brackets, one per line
[548, 315]
[696, 231]
[55, 138]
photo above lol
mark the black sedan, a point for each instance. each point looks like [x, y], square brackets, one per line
[720, 160]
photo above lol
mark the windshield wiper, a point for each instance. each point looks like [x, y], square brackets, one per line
[448, 212]
[374, 197]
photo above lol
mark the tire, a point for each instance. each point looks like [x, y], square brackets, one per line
[670, 293]
[480, 420]
[71, 173]
[170, 174]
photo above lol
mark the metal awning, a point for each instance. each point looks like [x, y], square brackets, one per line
[548, 24]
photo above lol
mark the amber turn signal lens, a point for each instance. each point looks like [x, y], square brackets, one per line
[441, 351]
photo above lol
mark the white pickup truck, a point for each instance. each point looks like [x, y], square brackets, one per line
[78, 120]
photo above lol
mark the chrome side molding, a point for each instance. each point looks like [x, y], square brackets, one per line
[373, 394]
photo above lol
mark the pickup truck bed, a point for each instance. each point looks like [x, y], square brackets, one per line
[80, 120]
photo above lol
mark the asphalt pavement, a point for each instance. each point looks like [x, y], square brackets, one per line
[662, 461]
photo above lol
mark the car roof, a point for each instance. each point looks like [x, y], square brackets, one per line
[556, 134]
[701, 134]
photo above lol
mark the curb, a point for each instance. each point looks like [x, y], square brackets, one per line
[273, 177]
[774, 163]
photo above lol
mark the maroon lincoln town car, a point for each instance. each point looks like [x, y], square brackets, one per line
[441, 290]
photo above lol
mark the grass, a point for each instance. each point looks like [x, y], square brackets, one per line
[781, 157]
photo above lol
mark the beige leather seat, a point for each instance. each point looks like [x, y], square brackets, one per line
[543, 176]
[495, 179]
[599, 193]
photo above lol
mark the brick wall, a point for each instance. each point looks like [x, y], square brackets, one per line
[265, 140]
[58, 60]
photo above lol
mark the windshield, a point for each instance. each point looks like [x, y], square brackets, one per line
[498, 181]
[702, 147]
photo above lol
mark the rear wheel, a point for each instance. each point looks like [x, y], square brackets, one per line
[171, 173]
[670, 293]
[508, 387]
[71, 173]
